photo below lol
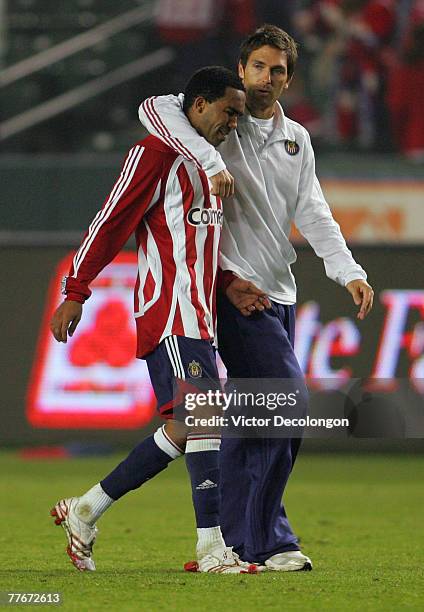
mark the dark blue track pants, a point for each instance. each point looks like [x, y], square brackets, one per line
[254, 472]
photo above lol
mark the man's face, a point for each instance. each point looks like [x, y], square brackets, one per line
[265, 77]
[215, 120]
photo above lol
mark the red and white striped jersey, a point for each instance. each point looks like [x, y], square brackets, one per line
[165, 199]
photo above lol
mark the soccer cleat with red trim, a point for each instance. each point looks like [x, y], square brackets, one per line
[223, 561]
[291, 561]
[191, 566]
[81, 536]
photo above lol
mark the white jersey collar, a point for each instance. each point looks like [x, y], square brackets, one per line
[280, 125]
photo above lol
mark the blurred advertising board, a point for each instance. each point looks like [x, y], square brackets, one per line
[373, 211]
[318, 344]
[95, 381]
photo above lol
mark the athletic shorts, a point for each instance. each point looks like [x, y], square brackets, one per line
[177, 359]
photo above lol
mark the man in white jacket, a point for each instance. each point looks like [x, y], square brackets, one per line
[273, 165]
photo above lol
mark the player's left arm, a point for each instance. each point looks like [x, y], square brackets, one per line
[315, 222]
[363, 296]
[163, 117]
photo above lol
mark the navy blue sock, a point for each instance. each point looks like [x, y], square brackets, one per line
[203, 466]
[145, 461]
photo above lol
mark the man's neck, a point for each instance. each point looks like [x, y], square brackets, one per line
[261, 113]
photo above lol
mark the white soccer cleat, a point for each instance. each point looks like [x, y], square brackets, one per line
[291, 561]
[81, 536]
[224, 561]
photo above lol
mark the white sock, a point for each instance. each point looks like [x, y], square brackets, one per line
[165, 443]
[92, 504]
[209, 540]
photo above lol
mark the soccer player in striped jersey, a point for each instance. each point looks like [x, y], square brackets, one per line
[273, 164]
[165, 199]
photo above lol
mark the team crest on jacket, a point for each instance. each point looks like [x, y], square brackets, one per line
[194, 369]
[291, 147]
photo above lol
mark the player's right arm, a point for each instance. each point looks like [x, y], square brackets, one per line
[134, 192]
[163, 116]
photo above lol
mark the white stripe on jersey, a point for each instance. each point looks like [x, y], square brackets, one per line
[155, 198]
[200, 248]
[215, 252]
[143, 270]
[170, 187]
[153, 263]
[174, 213]
[124, 180]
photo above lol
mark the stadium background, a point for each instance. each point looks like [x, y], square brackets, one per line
[71, 77]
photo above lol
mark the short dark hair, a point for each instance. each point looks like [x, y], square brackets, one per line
[210, 83]
[274, 37]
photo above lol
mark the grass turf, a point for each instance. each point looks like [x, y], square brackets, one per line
[358, 517]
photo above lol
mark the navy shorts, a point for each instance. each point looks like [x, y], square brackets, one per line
[176, 359]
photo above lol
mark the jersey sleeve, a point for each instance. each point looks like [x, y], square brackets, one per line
[135, 191]
[163, 116]
[224, 278]
[315, 222]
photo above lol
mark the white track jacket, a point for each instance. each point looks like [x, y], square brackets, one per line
[275, 185]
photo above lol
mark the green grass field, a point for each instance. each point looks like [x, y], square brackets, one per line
[358, 517]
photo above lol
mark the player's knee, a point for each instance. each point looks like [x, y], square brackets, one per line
[177, 432]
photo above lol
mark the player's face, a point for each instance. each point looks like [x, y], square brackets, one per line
[218, 118]
[265, 77]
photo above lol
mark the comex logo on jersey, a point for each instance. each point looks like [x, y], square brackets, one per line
[205, 216]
